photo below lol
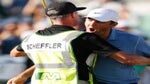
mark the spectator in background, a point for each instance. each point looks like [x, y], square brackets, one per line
[40, 21]
[124, 25]
[13, 30]
[2, 12]
[24, 26]
[8, 37]
[12, 7]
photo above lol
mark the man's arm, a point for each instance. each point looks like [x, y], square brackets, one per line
[15, 52]
[22, 77]
[103, 48]
[130, 59]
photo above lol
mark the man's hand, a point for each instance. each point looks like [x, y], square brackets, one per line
[15, 53]
[17, 80]
[22, 77]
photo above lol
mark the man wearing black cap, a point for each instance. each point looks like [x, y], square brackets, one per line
[60, 52]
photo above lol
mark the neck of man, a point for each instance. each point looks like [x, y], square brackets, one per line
[64, 22]
[104, 34]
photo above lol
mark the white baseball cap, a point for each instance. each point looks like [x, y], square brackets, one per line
[103, 15]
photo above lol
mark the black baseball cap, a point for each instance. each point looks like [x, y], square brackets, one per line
[61, 8]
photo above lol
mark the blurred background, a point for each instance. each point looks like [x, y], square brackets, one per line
[20, 18]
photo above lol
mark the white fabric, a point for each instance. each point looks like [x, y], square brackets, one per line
[104, 15]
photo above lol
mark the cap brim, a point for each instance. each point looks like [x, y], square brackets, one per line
[96, 18]
[80, 8]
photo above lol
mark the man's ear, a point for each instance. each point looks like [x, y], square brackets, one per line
[114, 23]
[73, 14]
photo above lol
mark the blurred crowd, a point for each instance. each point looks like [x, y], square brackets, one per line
[20, 18]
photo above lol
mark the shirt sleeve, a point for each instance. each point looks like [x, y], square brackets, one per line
[19, 48]
[98, 45]
[142, 47]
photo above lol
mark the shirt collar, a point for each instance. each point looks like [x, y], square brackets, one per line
[112, 35]
[61, 28]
